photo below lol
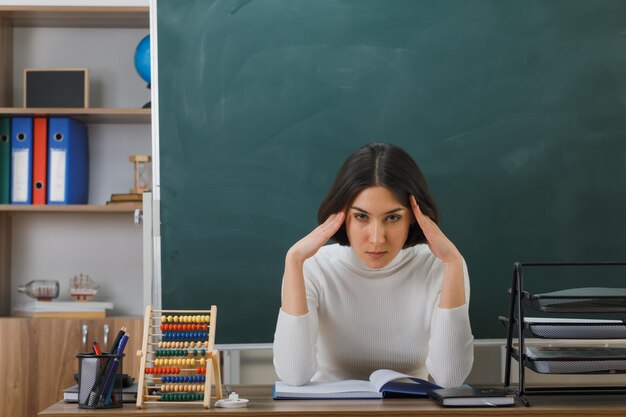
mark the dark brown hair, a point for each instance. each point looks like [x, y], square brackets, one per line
[379, 164]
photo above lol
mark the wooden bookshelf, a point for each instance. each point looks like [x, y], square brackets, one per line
[89, 115]
[76, 16]
[22, 34]
[76, 208]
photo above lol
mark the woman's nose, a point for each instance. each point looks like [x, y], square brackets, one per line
[377, 233]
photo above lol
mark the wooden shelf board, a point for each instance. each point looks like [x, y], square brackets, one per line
[90, 115]
[76, 16]
[82, 208]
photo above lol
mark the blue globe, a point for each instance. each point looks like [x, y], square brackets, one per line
[142, 59]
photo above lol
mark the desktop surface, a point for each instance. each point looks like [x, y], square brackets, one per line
[262, 404]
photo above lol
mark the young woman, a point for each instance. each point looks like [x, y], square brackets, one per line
[393, 292]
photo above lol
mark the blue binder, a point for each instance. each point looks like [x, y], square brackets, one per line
[21, 160]
[68, 161]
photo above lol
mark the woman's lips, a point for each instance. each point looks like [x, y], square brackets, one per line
[376, 255]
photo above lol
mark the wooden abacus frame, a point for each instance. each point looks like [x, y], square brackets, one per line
[151, 331]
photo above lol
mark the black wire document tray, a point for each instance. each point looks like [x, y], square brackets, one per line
[579, 300]
[566, 328]
[575, 360]
[566, 357]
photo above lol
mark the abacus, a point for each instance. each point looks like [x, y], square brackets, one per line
[178, 362]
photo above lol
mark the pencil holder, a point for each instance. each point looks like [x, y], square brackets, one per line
[99, 380]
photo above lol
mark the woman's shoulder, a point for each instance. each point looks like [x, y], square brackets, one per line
[326, 254]
[421, 256]
[323, 263]
[424, 257]
[329, 253]
[422, 253]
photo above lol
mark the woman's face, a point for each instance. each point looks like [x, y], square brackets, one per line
[377, 225]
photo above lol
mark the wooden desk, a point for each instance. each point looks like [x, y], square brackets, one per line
[261, 404]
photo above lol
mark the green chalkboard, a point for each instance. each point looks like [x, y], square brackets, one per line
[515, 110]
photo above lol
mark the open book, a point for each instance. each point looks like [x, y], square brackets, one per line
[382, 383]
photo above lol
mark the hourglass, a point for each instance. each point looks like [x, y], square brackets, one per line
[142, 173]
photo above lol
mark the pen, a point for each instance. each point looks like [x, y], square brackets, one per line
[107, 365]
[107, 389]
[122, 345]
[101, 361]
[101, 380]
[117, 339]
[92, 397]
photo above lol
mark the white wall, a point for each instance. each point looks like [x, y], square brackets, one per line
[107, 53]
[60, 245]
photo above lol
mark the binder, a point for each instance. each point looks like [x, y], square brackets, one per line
[21, 160]
[68, 161]
[5, 160]
[40, 158]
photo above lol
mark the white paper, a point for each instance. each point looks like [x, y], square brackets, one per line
[56, 182]
[21, 175]
[338, 389]
[575, 352]
[381, 376]
[567, 320]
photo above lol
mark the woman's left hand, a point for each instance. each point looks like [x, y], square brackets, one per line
[438, 243]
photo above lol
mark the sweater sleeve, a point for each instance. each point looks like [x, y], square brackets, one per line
[295, 342]
[450, 349]
[294, 347]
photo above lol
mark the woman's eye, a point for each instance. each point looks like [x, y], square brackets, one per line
[360, 216]
[393, 218]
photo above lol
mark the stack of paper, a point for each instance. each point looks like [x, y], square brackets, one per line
[83, 309]
[577, 359]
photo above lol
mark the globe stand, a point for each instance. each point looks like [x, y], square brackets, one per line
[148, 105]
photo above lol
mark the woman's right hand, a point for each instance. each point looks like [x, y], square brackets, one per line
[294, 293]
[311, 243]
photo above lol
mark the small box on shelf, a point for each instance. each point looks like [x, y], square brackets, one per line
[56, 87]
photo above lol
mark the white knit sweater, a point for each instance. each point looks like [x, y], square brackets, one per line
[362, 319]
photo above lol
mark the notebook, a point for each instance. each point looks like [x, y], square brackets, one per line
[471, 397]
